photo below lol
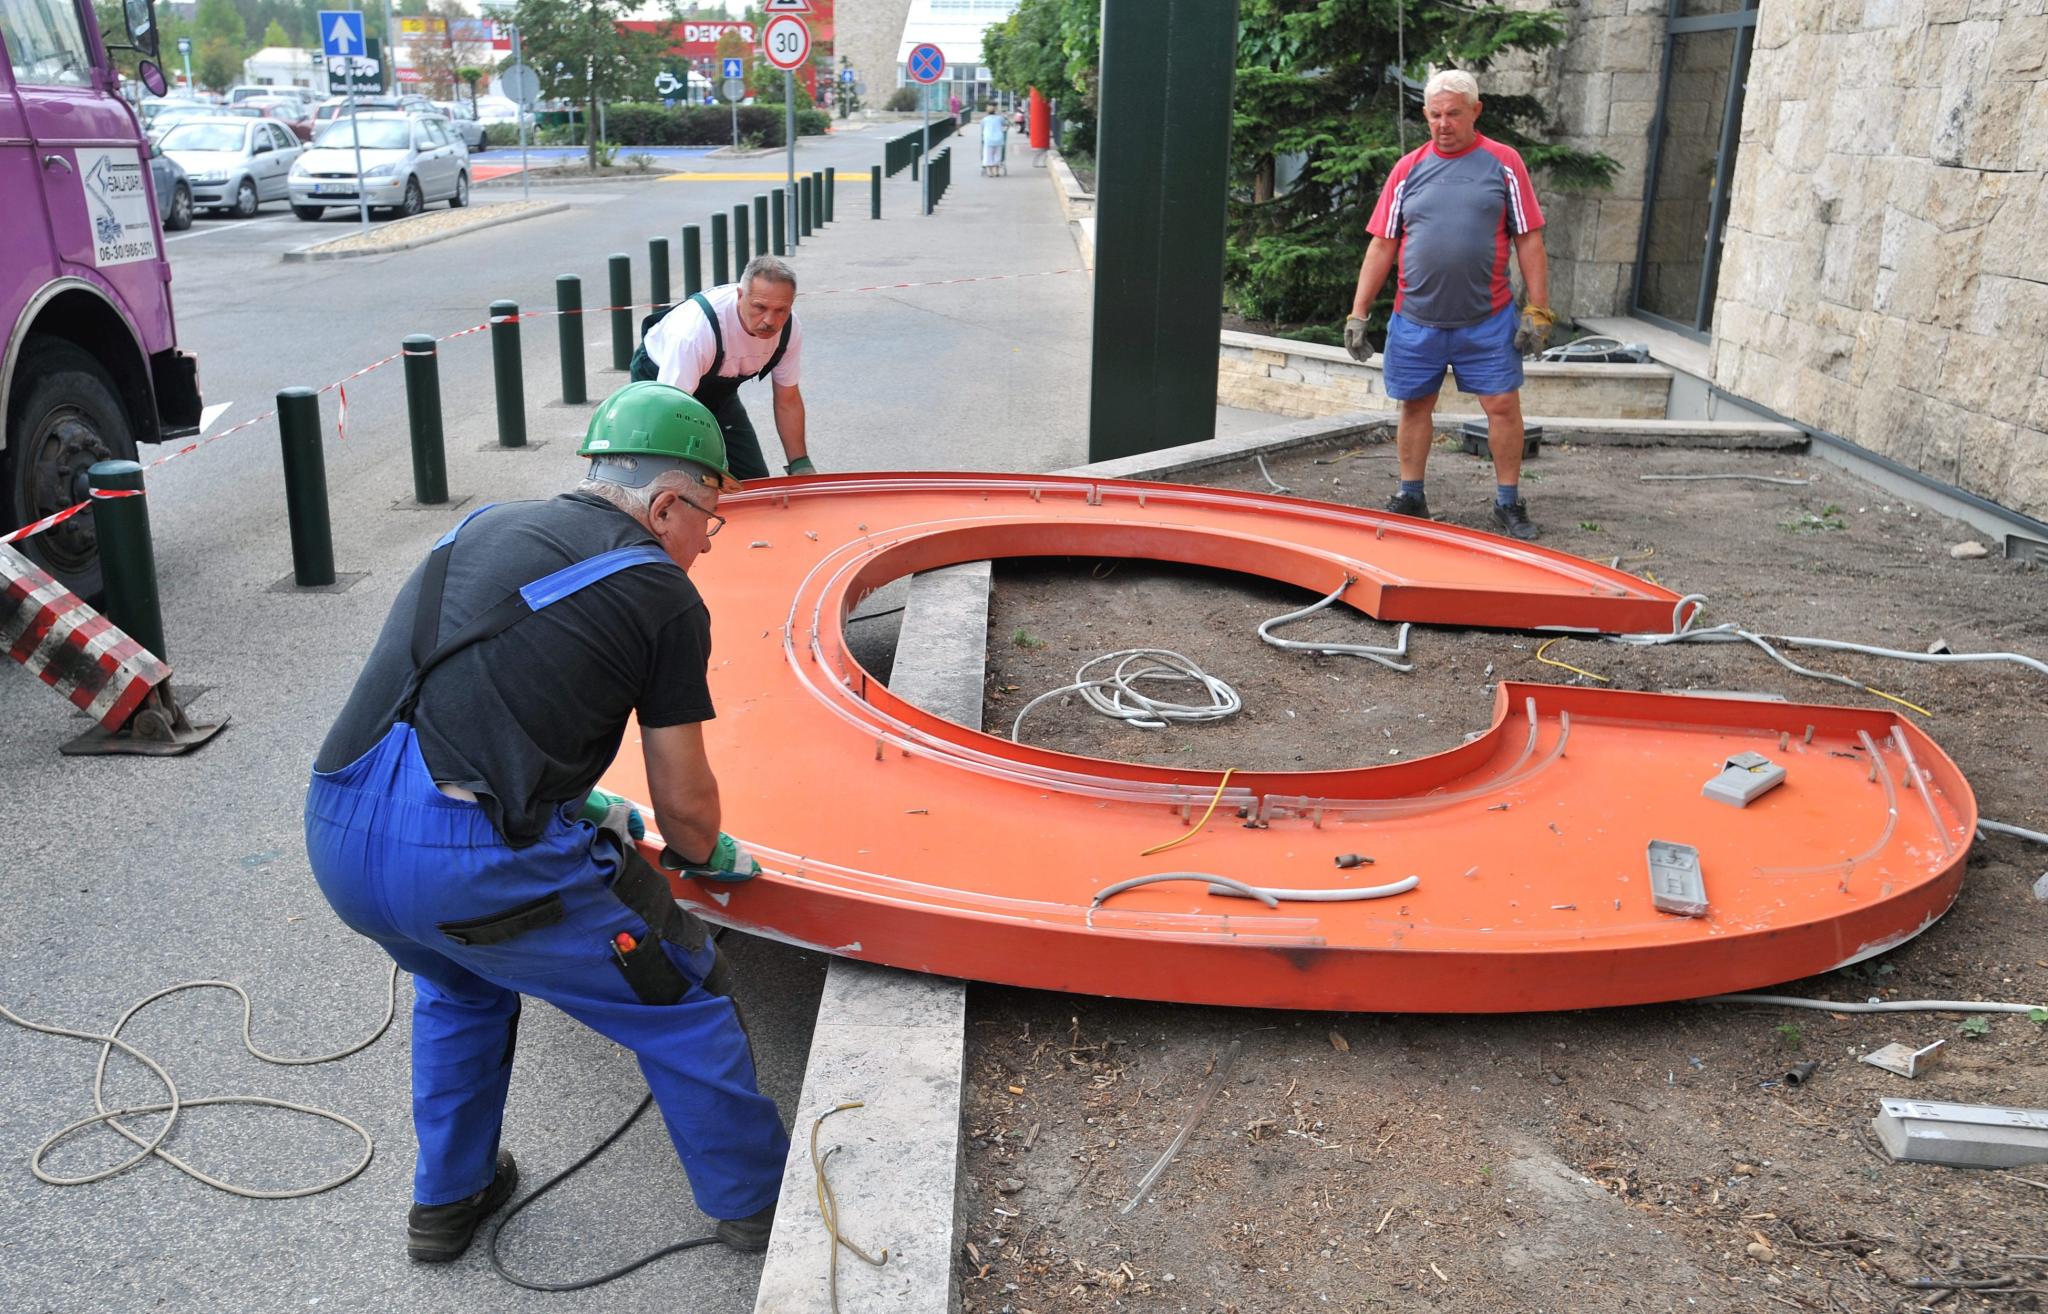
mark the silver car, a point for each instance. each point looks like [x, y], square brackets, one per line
[233, 164]
[462, 121]
[408, 161]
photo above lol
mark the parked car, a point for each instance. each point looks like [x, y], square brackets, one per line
[234, 164]
[173, 191]
[327, 111]
[493, 110]
[286, 110]
[463, 122]
[409, 160]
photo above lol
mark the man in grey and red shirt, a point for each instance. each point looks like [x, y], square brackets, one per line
[1449, 213]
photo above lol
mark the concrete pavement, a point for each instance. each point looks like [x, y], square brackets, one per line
[126, 875]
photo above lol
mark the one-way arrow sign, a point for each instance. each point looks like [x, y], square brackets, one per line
[341, 33]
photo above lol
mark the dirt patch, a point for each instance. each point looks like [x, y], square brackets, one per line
[1634, 1159]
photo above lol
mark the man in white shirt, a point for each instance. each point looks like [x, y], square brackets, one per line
[720, 338]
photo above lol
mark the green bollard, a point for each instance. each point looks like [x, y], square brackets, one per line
[778, 204]
[821, 204]
[657, 273]
[761, 225]
[127, 558]
[622, 311]
[305, 484]
[693, 261]
[831, 191]
[720, 250]
[740, 253]
[875, 191]
[569, 332]
[511, 375]
[803, 206]
[423, 410]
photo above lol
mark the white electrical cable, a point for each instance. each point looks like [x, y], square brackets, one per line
[2003, 829]
[1690, 478]
[177, 1103]
[1898, 654]
[1387, 657]
[1116, 695]
[1267, 475]
[1875, 1006]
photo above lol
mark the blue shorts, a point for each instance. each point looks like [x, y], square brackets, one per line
[1483, 354]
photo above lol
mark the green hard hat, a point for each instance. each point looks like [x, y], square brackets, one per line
[657, 426]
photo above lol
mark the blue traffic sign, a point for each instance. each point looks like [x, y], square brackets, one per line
[734, 68]
[927, 63]
[341, 33]
[846, 76]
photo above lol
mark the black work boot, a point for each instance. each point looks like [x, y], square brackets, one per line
[1403, 505]
[749, 1234]
[1514, 521]
[435, 1234]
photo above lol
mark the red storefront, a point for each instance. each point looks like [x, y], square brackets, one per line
[698, 42]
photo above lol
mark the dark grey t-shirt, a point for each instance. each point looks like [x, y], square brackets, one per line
[530, 719]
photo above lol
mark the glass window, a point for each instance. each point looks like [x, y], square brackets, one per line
[46, 44]
[1676, 240]
[203, 137]
[377, 134]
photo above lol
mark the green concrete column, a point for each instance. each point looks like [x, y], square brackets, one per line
[127, 556]
[721, 251]
[1162, 150]
[693, 261]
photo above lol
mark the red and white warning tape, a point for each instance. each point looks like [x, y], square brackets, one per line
[341, 420]
[71, 647]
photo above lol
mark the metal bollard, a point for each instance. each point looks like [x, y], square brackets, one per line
[720, 250]
[127, 558]
[657, 273]
[305, 485]
[761, 225]
[423, 410]
[622, 311]
[569, 333]
[740, 253]
[693, 261]
[778, 203]
[796, 237]
[803, 205]
[510, 373]
[826, 186]
[875, 191]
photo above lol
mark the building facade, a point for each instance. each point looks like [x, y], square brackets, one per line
[1844, 205]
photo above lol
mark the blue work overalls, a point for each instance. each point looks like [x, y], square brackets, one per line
[479, 923]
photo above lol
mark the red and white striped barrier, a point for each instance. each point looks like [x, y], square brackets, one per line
[71, 647]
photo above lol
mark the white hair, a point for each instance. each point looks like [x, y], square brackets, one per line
[1456, 81]
[772, 269]
[639, 502]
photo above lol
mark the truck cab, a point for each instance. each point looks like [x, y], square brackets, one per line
[89, 366]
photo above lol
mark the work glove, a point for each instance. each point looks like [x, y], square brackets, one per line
[612, 813]
[1355, 340]
[729, 861]
[800, 466]
[1533, 335]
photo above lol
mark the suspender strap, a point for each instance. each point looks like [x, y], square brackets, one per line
[717, 338]
[781, 346]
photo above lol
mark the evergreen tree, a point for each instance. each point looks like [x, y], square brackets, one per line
[275, 35]
[1317, 127]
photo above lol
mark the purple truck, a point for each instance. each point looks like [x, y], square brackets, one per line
[89, 365]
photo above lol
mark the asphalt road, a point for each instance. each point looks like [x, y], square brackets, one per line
[125, 875]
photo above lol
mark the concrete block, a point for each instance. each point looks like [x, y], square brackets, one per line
[895, 1041]
[1962, 1135]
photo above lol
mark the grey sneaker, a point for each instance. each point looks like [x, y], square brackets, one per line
[749, 1234]
[1514, 521]
[1403, 505]
[436, 1234]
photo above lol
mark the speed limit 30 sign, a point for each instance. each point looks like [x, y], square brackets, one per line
[786, 41]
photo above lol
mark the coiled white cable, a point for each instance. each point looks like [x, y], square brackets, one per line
[1116, 694]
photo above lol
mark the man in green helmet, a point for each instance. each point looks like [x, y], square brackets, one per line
[451, 816]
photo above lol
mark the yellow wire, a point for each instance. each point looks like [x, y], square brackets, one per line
[1900, 701]
[1566, 666]
[1218, 798]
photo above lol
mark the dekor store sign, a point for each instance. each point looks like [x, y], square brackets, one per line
[708, 34]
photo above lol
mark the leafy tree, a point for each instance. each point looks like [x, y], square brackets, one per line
[275, 35]
[1318, 91]
[1056, 46]
[220, 45]
[581, 53]
[439, 57]
[470, 76]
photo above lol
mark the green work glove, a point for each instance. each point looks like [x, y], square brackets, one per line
[729, 861]
[1533, 334]
[801, 465]
[1355, 340]
[610, 812]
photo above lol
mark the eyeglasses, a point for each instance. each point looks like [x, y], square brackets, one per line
[717, 521]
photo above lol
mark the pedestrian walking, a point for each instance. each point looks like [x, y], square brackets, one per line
[994, 143]
[452, 817]
[724, 336]
[1447, 217]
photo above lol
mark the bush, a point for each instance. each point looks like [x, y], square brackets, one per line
[903, 100]
[558, 134]
[809, 122]
[640, 124]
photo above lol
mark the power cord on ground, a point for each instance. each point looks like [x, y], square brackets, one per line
[177, 1103]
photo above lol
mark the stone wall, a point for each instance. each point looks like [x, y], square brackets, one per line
[1303, 379]
[868, 33]
[1885, 262]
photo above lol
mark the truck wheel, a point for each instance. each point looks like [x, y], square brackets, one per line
[180, 217]
[309, 212]
[66, 416]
